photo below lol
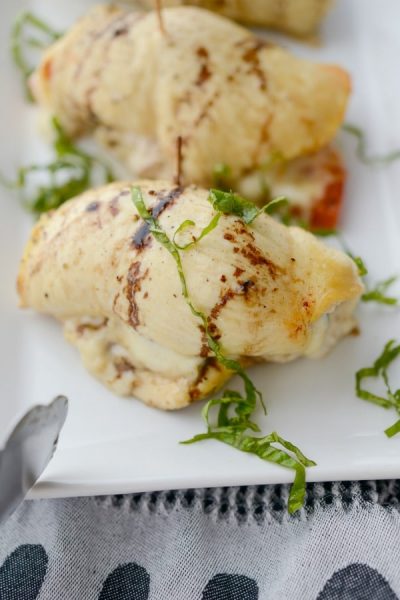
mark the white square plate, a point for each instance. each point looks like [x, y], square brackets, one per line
[114, 445]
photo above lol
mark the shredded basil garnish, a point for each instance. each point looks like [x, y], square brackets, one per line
[361, 148]
[189, 223]
[282, 209]
[378, 293]
[323, 232]
[393, 429]
[379, 369]
[235, 410]
[230, 203]
[72, 172]
[360, 264]
[29, 32]
[221, 176]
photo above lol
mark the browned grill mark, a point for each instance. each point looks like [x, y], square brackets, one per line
[142, 237]
[35, 269]
[204, 75]
[238, 272]
[111, 143]
[92, 206]
[243, 290]
[264, 138]
[255, 42]
[179, 161]
[202, 52]
[114, 206]
[256, 258]
[220, 305]
[204, 113]
[298, 329]
[80, 330]
[246, 286]
[251, 57]
[120, 31]
[210, 363]
[134, 285]
[223, 278]
[93, 78]
[242, 229]
[122, 365]
[204, 72]
[205, 350]
[214, 331]
[251, 252]
[115, 300]
[99, 221]
[164, 201]
[94, 35]
[92, 117]
[308, 305]
[194, 392]
[185, 98]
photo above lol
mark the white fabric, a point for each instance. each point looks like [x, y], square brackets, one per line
[183, 542]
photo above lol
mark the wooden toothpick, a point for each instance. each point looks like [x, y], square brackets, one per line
[178, 173]
[160, 17]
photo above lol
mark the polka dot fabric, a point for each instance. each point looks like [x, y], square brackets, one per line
[207, 545]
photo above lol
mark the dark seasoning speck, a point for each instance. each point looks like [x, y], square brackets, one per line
[92, 207]
[142, 237]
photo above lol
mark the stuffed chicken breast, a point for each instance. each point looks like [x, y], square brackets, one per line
[299, 17]
[268, 292]
[233, 99]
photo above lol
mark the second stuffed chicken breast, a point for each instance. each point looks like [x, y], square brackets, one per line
[233, 98]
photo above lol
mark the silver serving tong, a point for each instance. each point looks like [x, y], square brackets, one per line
[28, 451]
